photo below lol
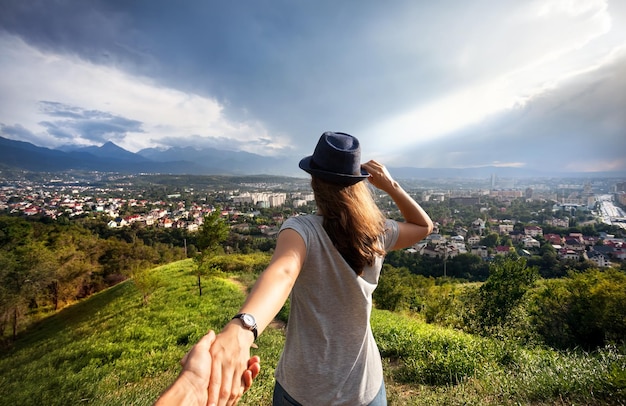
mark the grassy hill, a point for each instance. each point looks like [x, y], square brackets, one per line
[113, 350]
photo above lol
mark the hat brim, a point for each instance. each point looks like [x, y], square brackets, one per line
[340, 178]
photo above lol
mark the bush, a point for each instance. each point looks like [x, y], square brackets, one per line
[498, 307]
[239, 263]
[585, 309]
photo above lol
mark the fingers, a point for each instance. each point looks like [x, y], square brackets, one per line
[370, 166]
[236, 391]
[254, 367]
[207, 340]
[204, 344]
[215, 383]
[232, 370]
[247, 380]
[227, 382]
[374, 168]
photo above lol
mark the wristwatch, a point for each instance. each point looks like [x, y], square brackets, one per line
[248, 322]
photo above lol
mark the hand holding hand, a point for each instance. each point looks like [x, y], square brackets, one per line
[232, 369]
[191, 386]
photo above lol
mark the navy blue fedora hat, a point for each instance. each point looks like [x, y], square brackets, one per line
[336, 159]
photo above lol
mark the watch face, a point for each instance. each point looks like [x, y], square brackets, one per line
[248, 320]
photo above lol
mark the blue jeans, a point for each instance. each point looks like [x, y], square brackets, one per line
[282, 398]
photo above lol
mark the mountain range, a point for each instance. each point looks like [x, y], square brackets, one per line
[209, 161]
[112, 158]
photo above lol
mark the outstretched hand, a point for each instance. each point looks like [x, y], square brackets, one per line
[191, 386]
[232, 369]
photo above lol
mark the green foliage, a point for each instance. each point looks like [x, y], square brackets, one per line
[45, 266]
[427, 354]
[490, 240]
[213, 231]
[474, 370]
[500, 297]
[146, 281]
[435, 300]
[399, 290]
[111, 350]
[467, 266]
[585, 309]
[240, 263]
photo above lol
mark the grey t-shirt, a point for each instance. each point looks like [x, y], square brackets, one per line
[330, 356]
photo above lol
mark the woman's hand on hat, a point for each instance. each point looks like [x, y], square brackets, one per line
[379, 176]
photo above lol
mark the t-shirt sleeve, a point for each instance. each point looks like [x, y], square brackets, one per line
[295, 224]
[390, 236]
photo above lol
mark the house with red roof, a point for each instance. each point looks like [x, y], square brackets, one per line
[554, 239]
[503, 249]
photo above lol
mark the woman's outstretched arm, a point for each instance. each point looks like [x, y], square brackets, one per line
[231, 350]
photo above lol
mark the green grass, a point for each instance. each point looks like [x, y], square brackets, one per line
[450, 367]
[113, 350]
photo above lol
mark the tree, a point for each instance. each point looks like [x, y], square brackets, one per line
[76, 254]
[468, 266]
[212, 233]
[503, 292]
[26, 273]
[491, 240]
[585, 309]
[145, 281]
[398, 289]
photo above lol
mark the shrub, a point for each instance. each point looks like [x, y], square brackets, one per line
[240, 263]
[585, 309]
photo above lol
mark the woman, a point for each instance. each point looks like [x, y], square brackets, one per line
[329, 263]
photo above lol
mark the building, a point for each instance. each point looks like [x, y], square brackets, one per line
[599, 259]
[481, 251]
[530, 242]
[503, 250]
[533, 231]
[564, 253]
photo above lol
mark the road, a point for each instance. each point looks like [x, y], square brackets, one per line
[610, 213]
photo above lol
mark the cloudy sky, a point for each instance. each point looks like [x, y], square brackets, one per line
[452, 83]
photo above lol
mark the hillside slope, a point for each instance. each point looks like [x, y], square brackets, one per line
[111, 349]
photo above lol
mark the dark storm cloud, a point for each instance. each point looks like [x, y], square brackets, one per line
[20, 133]
[90, 29]
[90, 125]
[296, 66]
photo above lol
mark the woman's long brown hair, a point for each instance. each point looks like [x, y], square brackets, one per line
[352, 221]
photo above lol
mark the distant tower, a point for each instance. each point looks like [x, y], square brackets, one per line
[493, 180]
